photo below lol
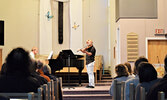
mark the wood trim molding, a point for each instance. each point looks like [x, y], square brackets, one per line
[0, 58]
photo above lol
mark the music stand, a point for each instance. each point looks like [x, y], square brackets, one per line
[68, 54]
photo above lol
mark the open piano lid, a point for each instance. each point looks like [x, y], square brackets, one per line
[68, 52]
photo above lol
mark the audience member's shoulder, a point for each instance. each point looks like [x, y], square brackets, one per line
[132, 79]
[33, 80]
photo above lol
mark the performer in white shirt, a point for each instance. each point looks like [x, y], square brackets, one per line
[33, 52]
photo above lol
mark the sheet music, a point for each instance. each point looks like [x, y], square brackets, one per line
[50, 55]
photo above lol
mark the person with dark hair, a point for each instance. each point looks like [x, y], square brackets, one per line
[122, 75]
[147, 78]
[3, 69]
[36, 75]
[134, 80]
[127, 64]
[159, 86]
[17, 76]
[40, 71]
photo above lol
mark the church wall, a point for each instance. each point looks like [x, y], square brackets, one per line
[21, 24]
[95, 27]
[144, 28]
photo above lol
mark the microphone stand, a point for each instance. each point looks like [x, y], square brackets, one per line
[158, 61]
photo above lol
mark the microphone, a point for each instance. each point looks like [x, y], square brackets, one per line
[158, 60]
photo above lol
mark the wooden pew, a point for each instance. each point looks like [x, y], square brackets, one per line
[45, 91]
[49, 90]
[56, 89]
[118, 93]
[29, 96]
[161, 95]
[52, 90]
[122, 90]
[58, 92]
[142, 93]
[132, 92]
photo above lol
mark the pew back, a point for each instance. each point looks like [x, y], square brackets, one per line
[118, 93]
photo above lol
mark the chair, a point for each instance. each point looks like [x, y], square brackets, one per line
[132, 91]
[29, 96]
[118, 90]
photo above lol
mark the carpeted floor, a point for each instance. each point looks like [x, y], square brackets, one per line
[100, 92]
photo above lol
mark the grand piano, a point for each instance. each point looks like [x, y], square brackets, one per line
[66, 58]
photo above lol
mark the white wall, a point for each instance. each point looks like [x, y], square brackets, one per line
[21, 23]
[95, 26]
[45, 33]
[76, 17]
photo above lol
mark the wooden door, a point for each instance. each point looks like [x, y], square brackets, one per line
[157, 50]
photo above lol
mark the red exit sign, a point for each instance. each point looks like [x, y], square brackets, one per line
[159, 31]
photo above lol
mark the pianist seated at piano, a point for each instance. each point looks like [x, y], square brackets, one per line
[33, 52]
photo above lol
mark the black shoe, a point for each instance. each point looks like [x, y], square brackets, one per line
[87, 86]
[91, 87]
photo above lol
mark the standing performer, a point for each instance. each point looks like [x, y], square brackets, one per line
[90, 52]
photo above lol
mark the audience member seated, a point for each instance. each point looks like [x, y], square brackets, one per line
[122, 75]
[159, 86]
[127, 64]
[147, 78]
[17, 77]
[40, 70]
[35, 74]
[46, 67]
[47, 70]
[134, 80]
[3, 69]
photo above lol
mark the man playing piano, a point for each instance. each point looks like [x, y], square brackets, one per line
[90, 52]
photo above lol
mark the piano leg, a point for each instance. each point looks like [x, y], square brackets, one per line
[80, 72]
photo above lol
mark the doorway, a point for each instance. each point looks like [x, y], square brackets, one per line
[156, 50]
